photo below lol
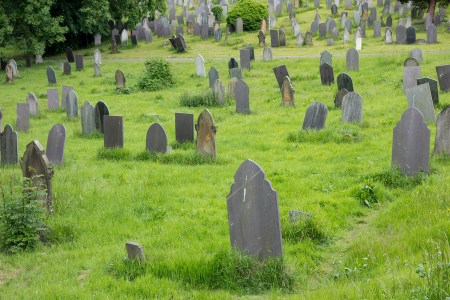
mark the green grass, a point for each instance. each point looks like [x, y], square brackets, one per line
[175, 204]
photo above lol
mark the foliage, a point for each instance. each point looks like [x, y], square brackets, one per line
[368, 194]
[347, 133]
[304, 228]
[217, 10]
[157, 76]
[94, 16]
[394, 178]
[430, 5]
[115, 154]
[251, 12]
[205, 98]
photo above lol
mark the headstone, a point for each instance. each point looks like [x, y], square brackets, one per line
[9, 74]
[79, 62]
[113, 131]
[232, 87]
[274, 41]
[67, 68]
[315, 116]
[431, 34]
[314, 26]
[410, 62]
[261, 39]
[287, 92]
[36, 166]
[239, 26]
[352, 108]
[377, 29]
[252, 51]
[420, 98]
[72, 104]
[388, 36]
[322, 30]
[33, 103]
[339, 96]
[417, 54]
[356, 17]
[411, 143]
[245, 59]
[326, 57]
[267, 53]
[410, 76]
[389, 21]
[51, 76]
[352, 60]
[344, 81]
[8, 146]
[56, 143]
[213, 75]
[124, 37]
[101, 110]
[443, 74]
[87, 118]
[242, 97]
[23, 117]
[280, 72]
[135, 251]
[346, 36]
[282, 37]
[65, 95]
[400, 34]
[114, 48]
[206, 134]
[442, 140]
[253, 213]
[97, 39]
[97, 57]
[156, 141]
[236, 72]
[69, 55]
[433, 88]
[300, 40]
[15, 71]
[52, 99]
[326, 74]
[97, 70]
[184, 127]
[200, 66]
[120, 79]
[334, 10]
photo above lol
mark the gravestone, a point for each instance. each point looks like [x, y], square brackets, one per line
[261, 39]
[442, 140]
[388, 35]
[242, 97]
[134, 40]
[239, 26]
[51, 76]
[420, 98]
[113, 131]
[253, 213]
[101, 110]
[200, 66]
[232, 63]
[252, 51]
[97, 39]
[296, 29]
[97, 57]
[356, 17]
[377, 29]
[232, 87]
[65, 95]
[280, 72]
[443, 74]
[339, 96]
[410, 35]
[9, 146]
[315, 116]
[352, 60]
[245, 58]
[236, 72]
[36, 166]
[300, 40]
[282, 37]
[287, 92]
[79, 62]
[417, 54]
[352, 108]
[219, 91]
[213, 75]
[124, 37]
[97, 70]
[56, 143]
[156, 141]
[410, 76]
[72, 104]
[52, 99]
[33, 103]
[411, 143]
[120, 79]
[67, 68]
[114, 48]
[184, 127]
[135, 251]
[274, 41]
[400, 34]
[326, 57]
[308, 38]
[389, 21]
[69, 55]
[314, 26]
[87, 118]
[9, 74]
[344, 81]
[326, 74]
[206, 134]
[433, 88]
[410, 62]
[322, 30]
[431, 34]
[334, 10]
[267, 53]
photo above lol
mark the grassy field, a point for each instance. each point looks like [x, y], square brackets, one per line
[175, 206]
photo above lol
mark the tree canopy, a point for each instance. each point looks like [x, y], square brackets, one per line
[429, 5]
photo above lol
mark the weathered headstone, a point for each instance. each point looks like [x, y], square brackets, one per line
[344, 81]
[315, 116]
[433, 88]
[267, 53]
[339, 96]
[326, 57]
[97, 39]
[67, 68]
[400, 34]
[52, 99]
[442, 140]
[87, 112]
[280, 72]
[113, 131]
[9, 146]
[239, 26]
[79, 62]
[232, 87]
[253, 213]
[431, 34]
[252, 51]
[135, 251]
[443, 74]
[65, 95]
[377, 29]
[156, 141]
[245, 58]
[411, 143]
[72, 104]
[282, 37]
[213, 75]
[206, 134]
[69, 55]
[184, 127]
[410, 76]
[417, 54]
[261, 39]
[33, 103]
[242, 97]
[410, 62]
[56, 143]
[51, 76]
[9, 74]
[120, 79]
[200, 66]
[388, 36]
[124, 37]
[97, 70]
[420, 98]
[287, 92]
[97, 57]
[274, 40]
[352, 60]
[101, 110]
[352, 108]
[389, 21]
[326, 74]
[236, 72]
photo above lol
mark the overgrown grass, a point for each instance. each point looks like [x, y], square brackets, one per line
[348, 133]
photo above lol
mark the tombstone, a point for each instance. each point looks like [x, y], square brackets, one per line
[184, 127]
[388, 36]
[261, 39]
[33, 103]
[218, 35]
[356, 17]
[9, 74]
[156, 141]
[204, 31]
[97, 39]
[410, 62]
[113, 131]
[97, 57]
[389, 21]
[326, 57]
[280, 72]
[417, 54]
[36, 166]
[235, 72]
[232, 87]
[352, 60]
[400, 34]
[352, 108]
[315, 116]
[148, 35]
[79, 62]
[65, 95]
[326, 74]
[206, 134]
[349, 25]
[9, 146]
[300, 40]
[411, 143]
[114, 32]
[135, 251]
[120, 79]
[431, 34]
[253, 213]
[344, 81]
[314, 26]
[252, 51]
[296, 29]
[97, 70]
[219, 91]
[334, 10]
[69, 55]
[410, 76]
[274, 41]
[242, 97]
[433, 88]
[114, 48]
[87, 118]
[245, 58]
[267, 53]
[443, 74]
[51, 76]
[282, 37]
[287, 92]
[200, 66]
[56, 143]
[23, 117]
[322, 30]
[346, 36]
[72, 104]
[213, 75]
[420, 98]
[442, 140]
[124, 37]
[348, 4]
[101, 110]
[239, 26]
[67, 68]
[39, 59]
[339, 96]
[377, 29]
[52, 99]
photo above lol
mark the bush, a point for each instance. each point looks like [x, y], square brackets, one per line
[217, 11]
[205, 98]
[157, 75]
[251, 12]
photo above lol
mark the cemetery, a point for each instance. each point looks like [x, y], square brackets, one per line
[306, 156]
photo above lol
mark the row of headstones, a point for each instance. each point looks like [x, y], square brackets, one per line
[79, 65]
[122, 39]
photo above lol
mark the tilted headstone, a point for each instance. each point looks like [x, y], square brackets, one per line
[120, 79]
[87, 112]
[9, 146]
[410, 76]
[51, 75]
[442, 140]
[135, 251]
[33, 103]
[253, 213]
[52, 99]
[326, 57]
[420, 98]
[200, 66]
[245, 58]
[433, 88]
[410, 62]
[65, 95]
[352, 108]
[339, 96]
[36, 166]
[56, 143]
[242, 97]
[315, 116]
[101, 110]
[113, 131]
[280, 72]
[443, 74]
[69, 55]
[72, 104]
[287, 92]
[352, 60]
[67, 68]
[79, 62]
[326, 74]
[184, 127]
[411, 143]
[213, 75]
[344, 81]
[156, 141]
[206, 134]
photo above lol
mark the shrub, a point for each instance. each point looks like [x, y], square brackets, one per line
[205, 98]
[157, 75]
[251, 12]
[303, 229]
[217, 11]
[368, 193]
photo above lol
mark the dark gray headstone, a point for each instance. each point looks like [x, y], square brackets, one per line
[287, 92]
[213, 75]
[282, 37]
[315, 116]
[322, 30]
[410, 76]
[344, 81]
[101, 110]
[134, 251]
[69, 55]
[134, 40]
[352, 60]
[389, 21]
[339, 96]
[72, 104]
[274, 41]
[261, 39]
[156, 140]
[67, 68]
[280, 72]
[352, 108]
[184, 127]
[51, 76]
[334, 10]
[253, 213]
[252, 51]
[236, 72]
[113, 130]
[442, 141]
[245, 59]
[420, 98]
[242, 98]
[87, 118]
[411, 143]
[79, 62]
[433, 88]
[232, 63]
[56, 143]
[326, 57]
[9, 146]
[206, 134]
[443, 74]
[326, 74]
[204, 31]
[410, 35]
[314, 26]
[120, 79]
[410, 62]
[52, 99]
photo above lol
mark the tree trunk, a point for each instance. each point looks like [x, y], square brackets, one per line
[431, 7]
[28, 60]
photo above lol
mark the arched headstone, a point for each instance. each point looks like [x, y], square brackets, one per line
[56, 143]
[9, 146]
[206, 134]
[101, 110]
[156, 140]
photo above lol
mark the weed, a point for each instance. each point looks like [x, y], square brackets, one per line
[124, 91]
[115, 154]
[157, 75]
[348, 133]
[394, 178]
[190, 158]
[205, 98]
[304, 228]
[127, 269]
[368, 194]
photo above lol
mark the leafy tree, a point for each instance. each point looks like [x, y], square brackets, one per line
[94, 16]
[251, 12]
[430, 5]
